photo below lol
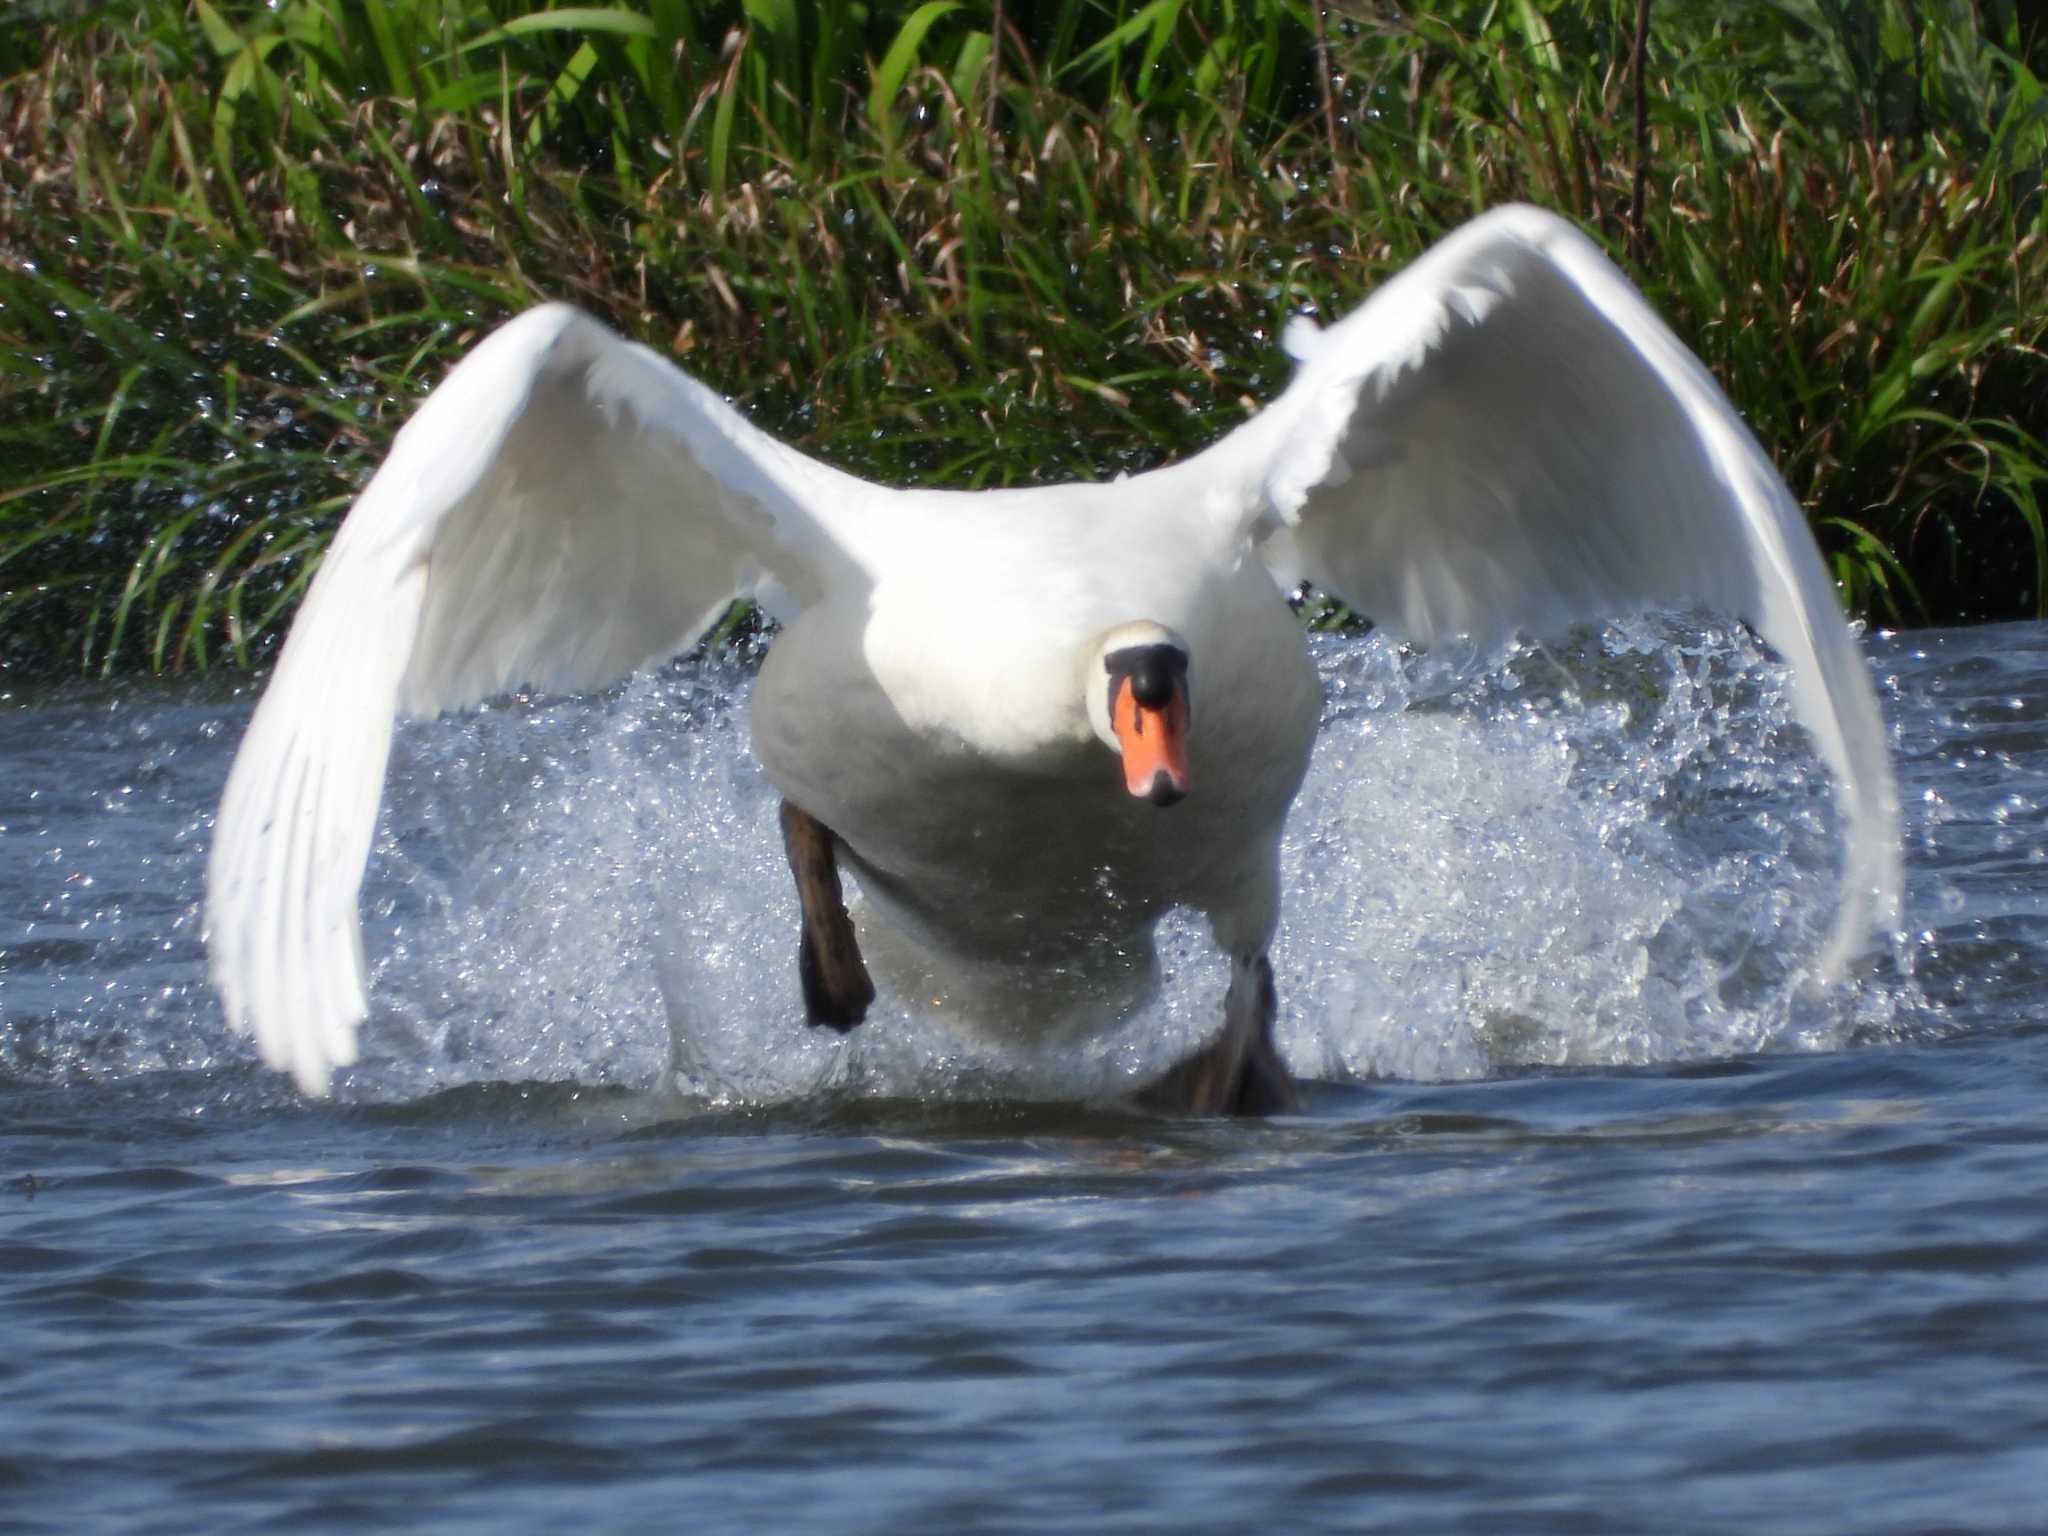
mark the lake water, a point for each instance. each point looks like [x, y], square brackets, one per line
[1596, 1219]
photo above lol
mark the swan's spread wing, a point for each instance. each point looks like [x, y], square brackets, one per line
[565, 507]
[1507, 438]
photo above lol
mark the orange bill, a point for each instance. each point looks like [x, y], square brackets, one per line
[1154, 742]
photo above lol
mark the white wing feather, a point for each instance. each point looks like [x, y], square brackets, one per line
[1507, 438]
[565, 507]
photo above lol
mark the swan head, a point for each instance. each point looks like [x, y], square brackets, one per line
[1136, 687]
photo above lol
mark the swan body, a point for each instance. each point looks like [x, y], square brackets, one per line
[1503, 438]
[941, 734]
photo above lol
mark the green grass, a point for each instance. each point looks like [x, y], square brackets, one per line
[968, 244]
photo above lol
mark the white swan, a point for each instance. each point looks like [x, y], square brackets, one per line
[1504, 438]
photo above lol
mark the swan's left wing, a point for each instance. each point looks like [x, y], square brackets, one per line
[565, 507]
[1507, 438]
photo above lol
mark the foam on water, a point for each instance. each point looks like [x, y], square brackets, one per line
[1614, 854]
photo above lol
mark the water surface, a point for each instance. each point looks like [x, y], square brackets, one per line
[1598, 1219]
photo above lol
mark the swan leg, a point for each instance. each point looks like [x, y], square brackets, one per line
[837, 990]
[1241, 1071]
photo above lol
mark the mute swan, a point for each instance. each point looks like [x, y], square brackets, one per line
[1504, 437]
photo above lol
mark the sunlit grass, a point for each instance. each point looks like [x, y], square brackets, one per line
[237, 242]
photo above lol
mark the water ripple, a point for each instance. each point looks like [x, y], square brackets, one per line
[1595, 1223]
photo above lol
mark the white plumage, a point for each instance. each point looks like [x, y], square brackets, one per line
[1503, 438]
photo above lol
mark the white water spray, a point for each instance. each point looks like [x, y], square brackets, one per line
[1615, 854]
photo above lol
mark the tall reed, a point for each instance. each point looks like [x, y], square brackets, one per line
[967, 242]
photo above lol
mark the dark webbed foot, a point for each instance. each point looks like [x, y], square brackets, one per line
[1240, 1072]
[837, 990]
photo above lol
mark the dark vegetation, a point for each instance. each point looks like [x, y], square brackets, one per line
[969, 242]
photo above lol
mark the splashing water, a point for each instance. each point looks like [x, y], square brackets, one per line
[1612, 854]
[1790, 1275]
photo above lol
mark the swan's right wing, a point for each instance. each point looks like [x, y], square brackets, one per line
[564, 508]
[1506, 437]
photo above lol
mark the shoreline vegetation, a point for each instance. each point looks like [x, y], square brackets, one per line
[969, 243]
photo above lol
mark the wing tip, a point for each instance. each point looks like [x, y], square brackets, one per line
[1872, 906]
[1859, 929]
[312, 1076]
[308, 1060]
